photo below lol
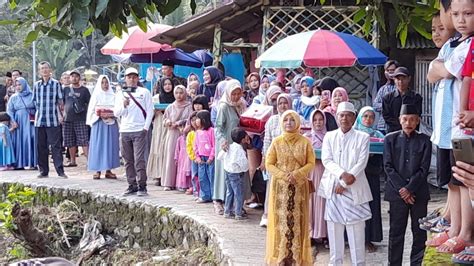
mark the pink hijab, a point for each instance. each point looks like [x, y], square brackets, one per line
[333, 108]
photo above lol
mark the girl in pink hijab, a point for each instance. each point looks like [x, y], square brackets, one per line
[339, 95]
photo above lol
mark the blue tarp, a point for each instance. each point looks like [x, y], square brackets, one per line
[233, 64]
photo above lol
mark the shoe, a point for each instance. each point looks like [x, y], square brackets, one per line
[255, 205]
[131, 190]
[228, 215]
[70, 165]
[263, 222]
[199, 200]
[142, 192]
[42, 176]
[218, 209]
[167, 189]
[63, 175]
[240, 217]
[110, 175]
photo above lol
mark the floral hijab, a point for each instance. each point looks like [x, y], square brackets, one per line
[361, 127]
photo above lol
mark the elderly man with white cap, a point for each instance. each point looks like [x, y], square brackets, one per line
[135, 108]
[345, 153]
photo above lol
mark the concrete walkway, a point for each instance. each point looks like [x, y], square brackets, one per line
[242, 241]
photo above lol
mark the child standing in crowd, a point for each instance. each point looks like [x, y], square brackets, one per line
[192, 155]
[306, 92]
[7, 158]
[204, 149]
[235, 165]
[183, 174]
[200, 103]
[175, 117]
[317, 203]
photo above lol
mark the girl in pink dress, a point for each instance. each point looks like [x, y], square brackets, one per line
[317, 203]
[183, 173]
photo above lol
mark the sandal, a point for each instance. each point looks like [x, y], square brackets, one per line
[453, 245]
[70, 165]
[465, 257]
[110, 175]
[96, 176]
[437, 240]
[442, 225]
[189, 191]
[434, 214]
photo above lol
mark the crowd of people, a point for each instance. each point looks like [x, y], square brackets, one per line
[186, 135]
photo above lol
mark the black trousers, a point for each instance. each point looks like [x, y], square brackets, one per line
[399, 212]
[45, 137]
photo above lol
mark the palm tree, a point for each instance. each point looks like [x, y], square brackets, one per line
[60, 54]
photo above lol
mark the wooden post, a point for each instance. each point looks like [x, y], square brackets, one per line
[217, 45]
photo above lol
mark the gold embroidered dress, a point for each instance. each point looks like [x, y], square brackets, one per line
[288, 240]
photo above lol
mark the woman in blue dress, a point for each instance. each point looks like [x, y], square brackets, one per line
[22, 110]
[104, 139]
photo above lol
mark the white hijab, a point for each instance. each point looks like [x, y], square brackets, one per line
[100, 97]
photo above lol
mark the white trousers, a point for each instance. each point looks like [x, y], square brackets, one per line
[356, 237]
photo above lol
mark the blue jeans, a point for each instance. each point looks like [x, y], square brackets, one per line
[194, 173]
[234, 197]
[206, 179]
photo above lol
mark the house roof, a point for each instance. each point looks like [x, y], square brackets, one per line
[236, 18]
[416, 41]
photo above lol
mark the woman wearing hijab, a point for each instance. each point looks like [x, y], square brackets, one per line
[272, 130]
[211, 76]
[231, 106]
[104, 139]
[21, 109]
[265, 82]
[175, 118]
[271, 97]
[193, 85]
[290, 159]
[252, 87]
[220, 92]
[326, 83]
[338, 96]
[318, 203]
[302, 106]
[374, 170]
[155, 165]
[295, 91]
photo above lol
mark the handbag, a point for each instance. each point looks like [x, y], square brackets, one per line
[31, 116]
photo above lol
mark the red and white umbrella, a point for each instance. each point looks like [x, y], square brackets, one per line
[136, 41]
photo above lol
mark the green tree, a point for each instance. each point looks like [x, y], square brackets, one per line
[60, 54]
[62, 19]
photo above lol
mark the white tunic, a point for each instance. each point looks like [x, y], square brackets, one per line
[349, 153]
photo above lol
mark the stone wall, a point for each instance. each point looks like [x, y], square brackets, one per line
[136, 224]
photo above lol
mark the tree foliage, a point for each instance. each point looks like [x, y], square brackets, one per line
[413, 15]
[59, 53]
[63, 19]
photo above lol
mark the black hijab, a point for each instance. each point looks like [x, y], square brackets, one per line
[166, 97]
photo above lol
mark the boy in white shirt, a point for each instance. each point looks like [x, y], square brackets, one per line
[235, 166]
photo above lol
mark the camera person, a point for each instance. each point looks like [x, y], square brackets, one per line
[135, 108]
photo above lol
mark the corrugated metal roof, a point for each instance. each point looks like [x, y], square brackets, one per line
[235, 17]
[416, 41]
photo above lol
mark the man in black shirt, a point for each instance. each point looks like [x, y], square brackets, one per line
[393, 101]
[75, 130]
[407, 158]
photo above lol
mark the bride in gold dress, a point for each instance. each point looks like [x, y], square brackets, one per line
[289, 160]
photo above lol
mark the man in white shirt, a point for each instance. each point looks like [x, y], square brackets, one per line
[345, 153]
[135, 108]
